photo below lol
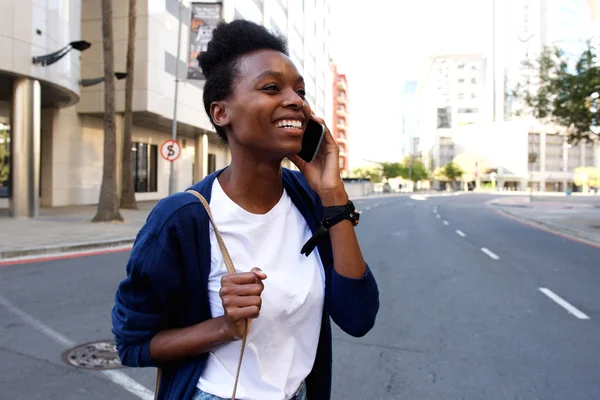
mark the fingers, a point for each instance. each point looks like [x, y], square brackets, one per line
[244, 277]
[300, 163]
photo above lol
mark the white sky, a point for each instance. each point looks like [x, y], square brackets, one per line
[381, 43]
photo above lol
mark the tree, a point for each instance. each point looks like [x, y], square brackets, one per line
[108, 206]
[414, 169]
[587, 177]
[392, 170]
[565, 94]
[127, 189]
[452, 172]
[374, 174]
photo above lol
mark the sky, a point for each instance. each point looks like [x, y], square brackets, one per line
[381, 43]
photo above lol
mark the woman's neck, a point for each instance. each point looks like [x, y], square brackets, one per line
[253, 185]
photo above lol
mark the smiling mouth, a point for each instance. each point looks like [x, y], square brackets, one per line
[289, 124]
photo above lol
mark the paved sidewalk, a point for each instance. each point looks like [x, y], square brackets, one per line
[68, 229]
[574, 216]
[63, 229]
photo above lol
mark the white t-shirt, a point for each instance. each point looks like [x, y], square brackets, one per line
[282, 343]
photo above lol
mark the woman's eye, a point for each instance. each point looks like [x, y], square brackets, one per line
[270, 88]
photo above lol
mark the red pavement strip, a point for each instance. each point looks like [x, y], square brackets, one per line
[62, 256]
[541, 228]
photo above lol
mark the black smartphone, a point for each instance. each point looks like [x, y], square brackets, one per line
[311, 141]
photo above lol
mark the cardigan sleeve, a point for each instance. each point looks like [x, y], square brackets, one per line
[153, 279]
[353, 303]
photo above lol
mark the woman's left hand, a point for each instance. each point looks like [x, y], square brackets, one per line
[323, 173]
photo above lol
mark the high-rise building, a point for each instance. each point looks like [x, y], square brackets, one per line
[410, 119]
[56, 132]
[340, 117]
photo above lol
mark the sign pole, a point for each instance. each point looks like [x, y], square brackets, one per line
[176, 98]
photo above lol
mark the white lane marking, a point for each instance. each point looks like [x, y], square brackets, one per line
[367, 208]
[375, 205]
[460, 233]
[490, 254]
[437, 215]
[116, 377]
[418, 197]
[446, 223]
[564, 304]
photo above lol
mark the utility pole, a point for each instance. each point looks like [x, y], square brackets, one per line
[176, 98]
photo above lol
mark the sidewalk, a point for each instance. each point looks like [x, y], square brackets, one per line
[64, 229]
[578, 217]
[68, 229]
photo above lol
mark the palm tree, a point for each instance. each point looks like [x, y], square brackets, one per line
[108, 206]
[127, 189]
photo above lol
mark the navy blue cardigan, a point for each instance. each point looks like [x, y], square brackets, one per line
[167, 287]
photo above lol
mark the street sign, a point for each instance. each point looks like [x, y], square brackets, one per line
[170, 150]
[493, 176]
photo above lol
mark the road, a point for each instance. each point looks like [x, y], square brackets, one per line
[473, 306]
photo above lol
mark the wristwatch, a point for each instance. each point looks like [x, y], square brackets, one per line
[331, 217]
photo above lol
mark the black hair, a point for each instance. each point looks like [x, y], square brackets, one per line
[219, 63]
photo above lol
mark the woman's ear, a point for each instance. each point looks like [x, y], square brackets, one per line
[219, 115]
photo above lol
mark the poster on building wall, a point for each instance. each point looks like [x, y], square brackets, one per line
[204, 19]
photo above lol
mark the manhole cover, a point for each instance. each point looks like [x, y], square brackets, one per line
[96, 355]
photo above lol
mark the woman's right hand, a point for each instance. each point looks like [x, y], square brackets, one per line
[240, 296]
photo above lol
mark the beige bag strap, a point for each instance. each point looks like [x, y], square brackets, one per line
[230, 270]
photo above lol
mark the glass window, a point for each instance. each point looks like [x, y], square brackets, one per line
[212, 163]
[4, 160]
[144, 159]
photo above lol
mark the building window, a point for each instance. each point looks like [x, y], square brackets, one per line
[460, 96]
[473, 95]
[461, 80]
[444, 119]
[144, 159]
[211, 163]
[461, 66]
[4, 160]
[468, 110]
[474, 80]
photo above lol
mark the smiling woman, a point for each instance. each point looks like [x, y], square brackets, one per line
[182, 309]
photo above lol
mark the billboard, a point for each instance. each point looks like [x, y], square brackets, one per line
[204, 18]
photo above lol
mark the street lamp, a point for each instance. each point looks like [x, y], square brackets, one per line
[95, 81]
[49, 59]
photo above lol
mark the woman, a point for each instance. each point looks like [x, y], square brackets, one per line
[180, 310]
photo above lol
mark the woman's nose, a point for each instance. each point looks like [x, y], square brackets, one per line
[293, 99]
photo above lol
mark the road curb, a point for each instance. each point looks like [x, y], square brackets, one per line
[65, 248]
[560, 230]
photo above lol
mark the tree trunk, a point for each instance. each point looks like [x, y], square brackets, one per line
[108, 206]
[127, 189]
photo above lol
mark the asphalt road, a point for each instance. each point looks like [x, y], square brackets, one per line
[456, 321]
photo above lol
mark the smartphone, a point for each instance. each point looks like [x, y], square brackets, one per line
[311, 141]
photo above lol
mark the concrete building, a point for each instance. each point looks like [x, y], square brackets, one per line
[51, 134]
[410, 119]
[339, 123]
[494, 138]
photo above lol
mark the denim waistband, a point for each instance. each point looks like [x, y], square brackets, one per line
[200, 395]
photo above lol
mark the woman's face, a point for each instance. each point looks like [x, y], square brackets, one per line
[267, 112]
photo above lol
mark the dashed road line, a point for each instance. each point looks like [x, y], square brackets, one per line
[490, 254]
[460, 233]
[437, 216]
[446, 223]
[564, 304]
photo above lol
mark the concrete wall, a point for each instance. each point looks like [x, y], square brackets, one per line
[30, 28]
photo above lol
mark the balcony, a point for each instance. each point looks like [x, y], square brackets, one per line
[341, 127]
[341, 100]
[341, 85]
[341, 139]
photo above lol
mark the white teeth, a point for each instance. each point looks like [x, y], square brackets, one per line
[289, 124]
